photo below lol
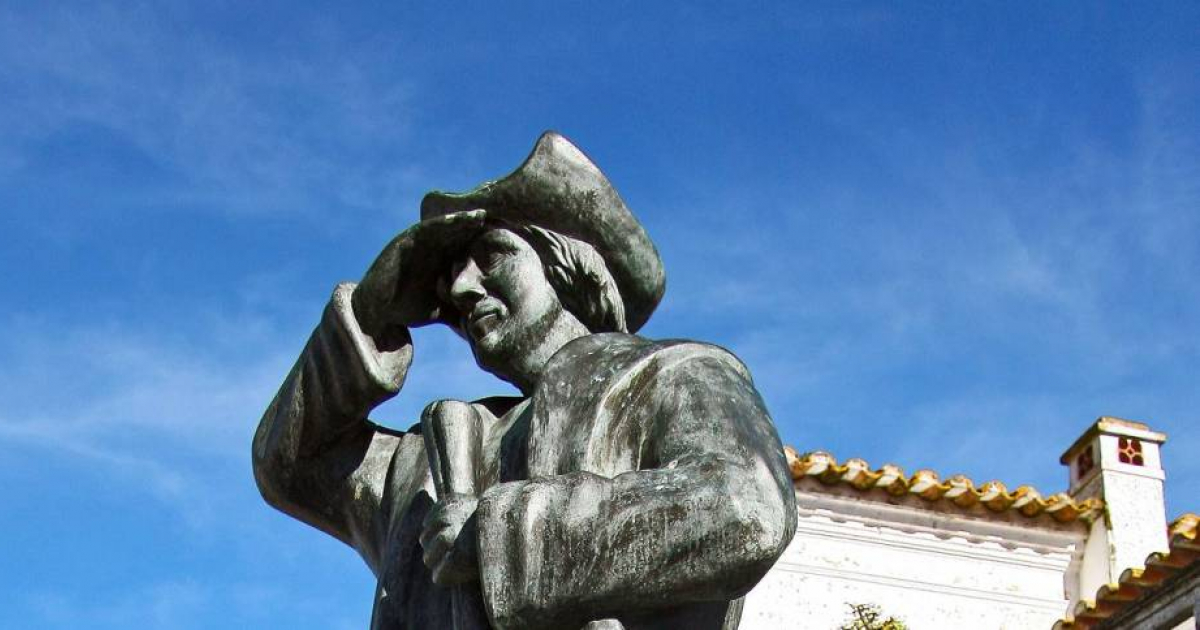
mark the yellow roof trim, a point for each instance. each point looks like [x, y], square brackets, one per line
[927, 485]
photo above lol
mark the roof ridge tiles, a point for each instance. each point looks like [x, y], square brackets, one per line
[928, 485]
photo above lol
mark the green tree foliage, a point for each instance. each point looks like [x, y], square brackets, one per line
[869, 617]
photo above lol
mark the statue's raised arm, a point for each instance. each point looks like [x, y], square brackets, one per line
[633, 484]
[316, 455]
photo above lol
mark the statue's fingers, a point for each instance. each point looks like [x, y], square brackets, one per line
[426, 538]
[429, 555]
[440, 572]
[435, 524]
[453, 569]
[446, 573]
[435, 551]
[454, 218]
[476, 215]
[442, 229]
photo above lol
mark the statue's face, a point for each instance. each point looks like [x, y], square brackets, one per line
[505, 302]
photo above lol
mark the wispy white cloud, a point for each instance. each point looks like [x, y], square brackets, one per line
[984, 273]
[147, 415]
[242, 130]
[161, 412]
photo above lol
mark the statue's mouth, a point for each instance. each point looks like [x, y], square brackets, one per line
[483, 319]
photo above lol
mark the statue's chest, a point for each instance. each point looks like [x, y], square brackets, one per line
[571, 427]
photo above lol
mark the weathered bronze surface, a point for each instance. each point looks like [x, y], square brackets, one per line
[634, 484]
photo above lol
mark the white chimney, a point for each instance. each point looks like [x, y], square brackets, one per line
[1118, 461]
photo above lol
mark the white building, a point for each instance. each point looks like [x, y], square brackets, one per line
[937, 553]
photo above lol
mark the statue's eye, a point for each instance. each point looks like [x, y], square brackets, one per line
[490, 259]
[491, 250]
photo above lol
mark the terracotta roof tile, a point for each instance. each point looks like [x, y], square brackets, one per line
[1183, 551]
[927, 485]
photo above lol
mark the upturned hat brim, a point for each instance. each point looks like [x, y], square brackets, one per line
[559, 189]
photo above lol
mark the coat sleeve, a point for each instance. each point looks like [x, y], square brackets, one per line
[705, 517]
[316, 456]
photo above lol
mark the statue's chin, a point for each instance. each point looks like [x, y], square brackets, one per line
[514, 349]
[494, 354]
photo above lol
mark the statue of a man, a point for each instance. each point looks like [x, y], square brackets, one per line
[634, 483]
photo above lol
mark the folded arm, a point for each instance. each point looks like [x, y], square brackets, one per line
[706, 517]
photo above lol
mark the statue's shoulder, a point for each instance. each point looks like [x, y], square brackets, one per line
[604, 356]
[694, 355]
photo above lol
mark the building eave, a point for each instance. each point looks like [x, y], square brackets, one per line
[957, 491]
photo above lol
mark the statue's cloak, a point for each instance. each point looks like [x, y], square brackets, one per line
[642, 483]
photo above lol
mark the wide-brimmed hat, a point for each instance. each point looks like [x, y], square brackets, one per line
[559, 189]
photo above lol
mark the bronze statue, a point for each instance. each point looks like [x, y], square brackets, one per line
[634, 483]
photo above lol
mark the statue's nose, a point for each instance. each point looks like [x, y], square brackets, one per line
[467, 288]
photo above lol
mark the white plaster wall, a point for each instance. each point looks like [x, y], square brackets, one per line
[1137, 514]
[945, 577]
[1096, 565]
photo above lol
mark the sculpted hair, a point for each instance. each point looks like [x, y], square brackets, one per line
[579, 276]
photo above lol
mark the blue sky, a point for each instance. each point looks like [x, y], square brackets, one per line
[940, 236]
